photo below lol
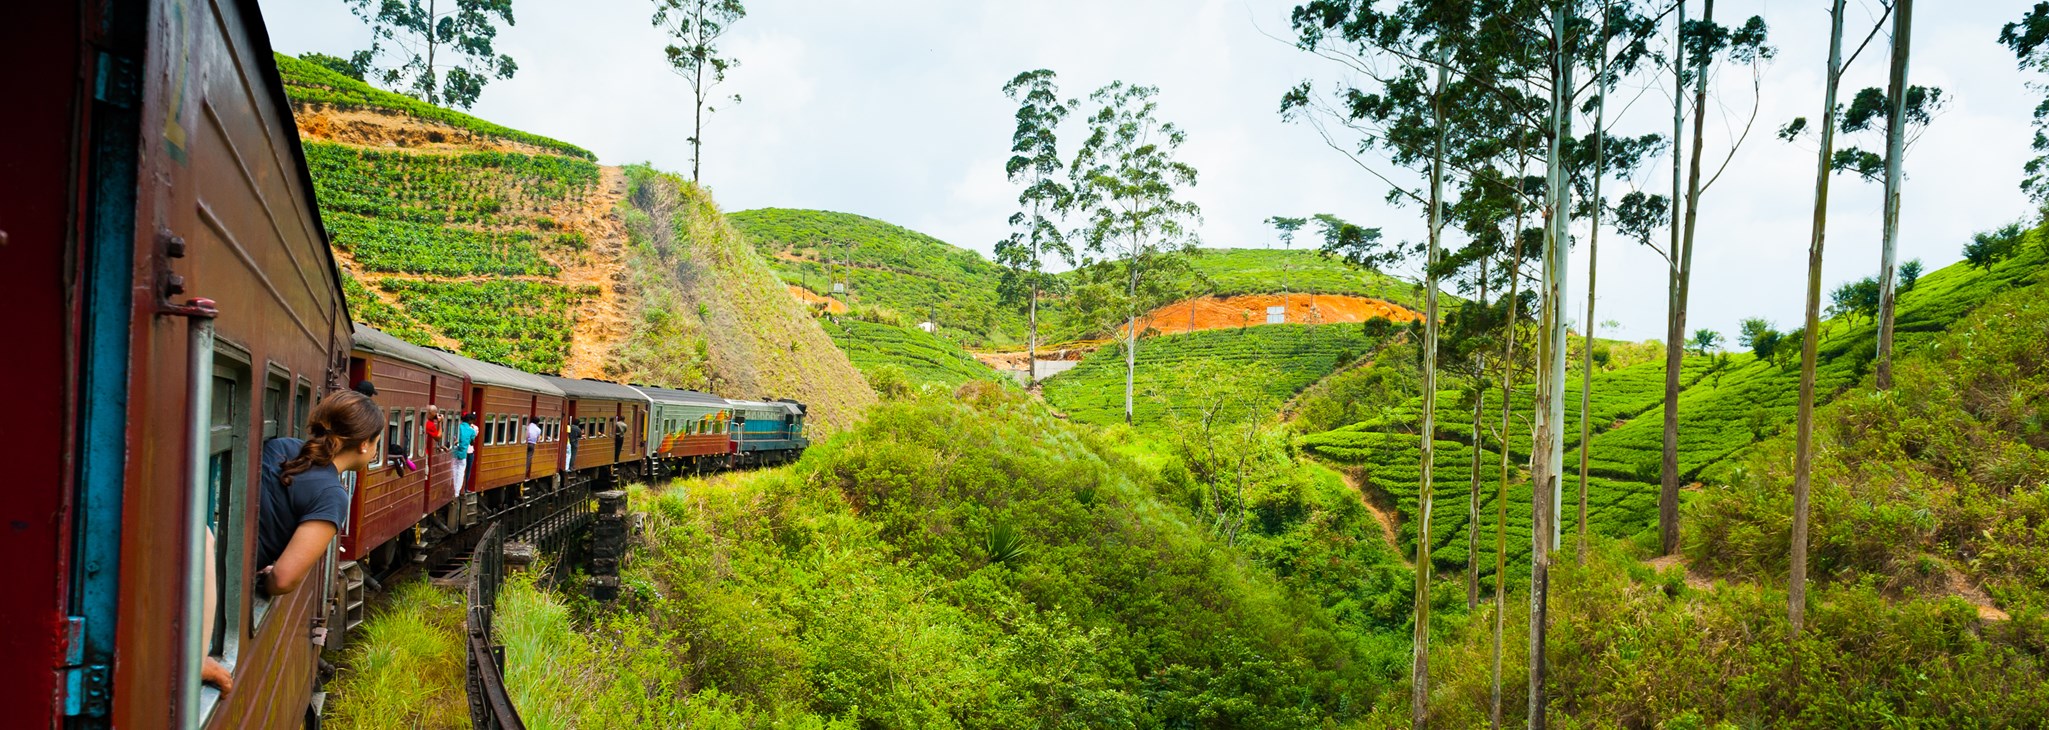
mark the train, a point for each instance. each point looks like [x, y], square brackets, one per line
[179, 304]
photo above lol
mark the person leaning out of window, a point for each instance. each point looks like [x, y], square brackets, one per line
[303, 501]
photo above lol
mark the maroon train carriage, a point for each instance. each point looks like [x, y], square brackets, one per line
[391, 500]
[505, 401]
[174, 303]
[595, 412]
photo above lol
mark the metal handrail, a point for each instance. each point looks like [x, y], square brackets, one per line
[490, 705]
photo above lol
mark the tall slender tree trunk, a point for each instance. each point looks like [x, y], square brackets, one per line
[1803, 459]
[1032, 337]
[1586, 355]
[1546, 447]
[1131, 333]
[697, 126]
[1515, 280]
[1479, 444]
[1895, 149]
[1668, 491]
[1419, 691]
[433, 79]
[1032, 317]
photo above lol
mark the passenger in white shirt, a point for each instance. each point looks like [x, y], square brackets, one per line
[533, 438]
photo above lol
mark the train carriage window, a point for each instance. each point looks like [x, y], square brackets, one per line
[302, 405]
[276, 388]
[226, 511]
[407, 434]
[391, 435]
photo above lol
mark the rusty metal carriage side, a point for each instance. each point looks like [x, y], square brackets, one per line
[185, 182]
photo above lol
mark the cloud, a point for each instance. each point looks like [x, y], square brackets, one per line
[895, 111]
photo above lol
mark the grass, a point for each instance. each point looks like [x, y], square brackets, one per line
[309, 83]
[1093, 392]
[894, 268]
[726, 315]
[404, 667]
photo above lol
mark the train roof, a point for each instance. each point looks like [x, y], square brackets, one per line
[587, 388]
[374, 341]
[682, 397]
[786, 406]
[485, 373]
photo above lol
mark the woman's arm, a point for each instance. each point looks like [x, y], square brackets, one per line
[308, 546]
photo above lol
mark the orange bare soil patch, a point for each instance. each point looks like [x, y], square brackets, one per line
[812, 299]
[1250, 309]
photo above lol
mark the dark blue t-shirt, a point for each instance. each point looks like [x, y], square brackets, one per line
[315, 494]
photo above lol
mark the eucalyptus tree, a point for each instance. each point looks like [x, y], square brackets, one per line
[1127, 183]
[1599, 155]
[1035, 229]
[1702, 45]
[1899, 99]
[1803, 459]
[1285, 228]
[445, 48]
[2028, 38]
[1407, 52]
[695, 27]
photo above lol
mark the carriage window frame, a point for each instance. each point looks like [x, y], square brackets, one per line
[228, 459]
[275, 404]
[302, 408]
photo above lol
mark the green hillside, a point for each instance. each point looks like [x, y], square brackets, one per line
[417, 228]
[1730, 404]
[1295, 355]
[311, 84]
[1265, 271]
[1929, 559]
[893, 268]
[970, 561]
[917, 356]
[462, 234]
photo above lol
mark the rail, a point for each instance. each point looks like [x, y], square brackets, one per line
[490, 705]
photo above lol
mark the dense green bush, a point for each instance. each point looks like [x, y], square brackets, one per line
[1946, 473]
[365, 307]
[860, 588]
[1633, 648]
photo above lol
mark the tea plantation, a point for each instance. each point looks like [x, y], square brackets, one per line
[1730, 403]
[1298, 354]
[434, 229]
[920, 356]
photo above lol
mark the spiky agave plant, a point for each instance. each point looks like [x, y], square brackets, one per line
[1006, 543]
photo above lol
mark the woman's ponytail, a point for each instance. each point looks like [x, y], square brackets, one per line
[341, 421]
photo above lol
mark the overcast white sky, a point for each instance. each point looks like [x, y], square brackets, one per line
[894, 110]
